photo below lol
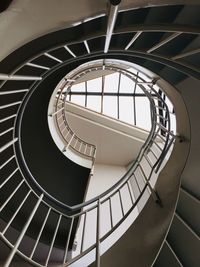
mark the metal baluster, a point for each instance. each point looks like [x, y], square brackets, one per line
[129, 189]
[19, 239]
[5, 163]
[68, 240]
[16, 212]
[8, 145]
[83, 232]
[111, 218]
[98, 235]
[40, 233]
[9, 198]
[8, 178]
[53, 240]
[121, 203]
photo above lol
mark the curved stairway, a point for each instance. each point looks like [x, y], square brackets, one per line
[165, 40]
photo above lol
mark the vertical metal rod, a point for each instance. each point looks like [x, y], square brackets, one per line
[102, 92]
[130, 193]
[110, 26]
[40, 233]
[133, 40]
[68, 240]
[53, 240]
[98, 236]
[7, 118]
[83, 232]
[11, 195]
[10, 105]
[87, 46]
[111, 218]
[8, 144]
[85, 148]
[52, 57]
[134, 102]
[137, 182]
[85, 93]
[6, 77]
[69, 50]
[121, 203]
[119, 84]
[6, 131]
[5, 163]
[19, 239]
[14, 215]
[8, 178]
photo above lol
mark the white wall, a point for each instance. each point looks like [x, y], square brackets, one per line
[104, 177]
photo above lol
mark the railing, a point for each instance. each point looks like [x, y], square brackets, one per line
[111, 206]
[68, 136]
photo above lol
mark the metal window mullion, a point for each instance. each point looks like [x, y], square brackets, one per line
[19, 239]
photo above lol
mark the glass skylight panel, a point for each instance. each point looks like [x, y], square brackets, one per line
[80, 87]
[126, 109]
[139, 90]
[126, 85]
[111, 83]
[94, 103]
[78, 99]
[110, 106]
[94, 85]
[143, 113]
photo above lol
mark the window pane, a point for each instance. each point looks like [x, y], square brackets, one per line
[110, 106]
[94, 85]
[126, 109]
[78, 99]
[94, 103]
[127, 85]
[143, 118]
[111, 83]
[80, 87]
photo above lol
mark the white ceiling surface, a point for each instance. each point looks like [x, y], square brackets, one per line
[117, 143]
[26, 20]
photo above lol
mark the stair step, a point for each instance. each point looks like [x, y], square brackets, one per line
[184, 242]
[167, 257]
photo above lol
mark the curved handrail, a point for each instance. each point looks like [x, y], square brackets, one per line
[97, 203]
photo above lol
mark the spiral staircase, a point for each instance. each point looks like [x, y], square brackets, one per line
[41, 42]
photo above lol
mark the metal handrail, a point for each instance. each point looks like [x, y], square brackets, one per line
[93, 204]
[96, 203]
